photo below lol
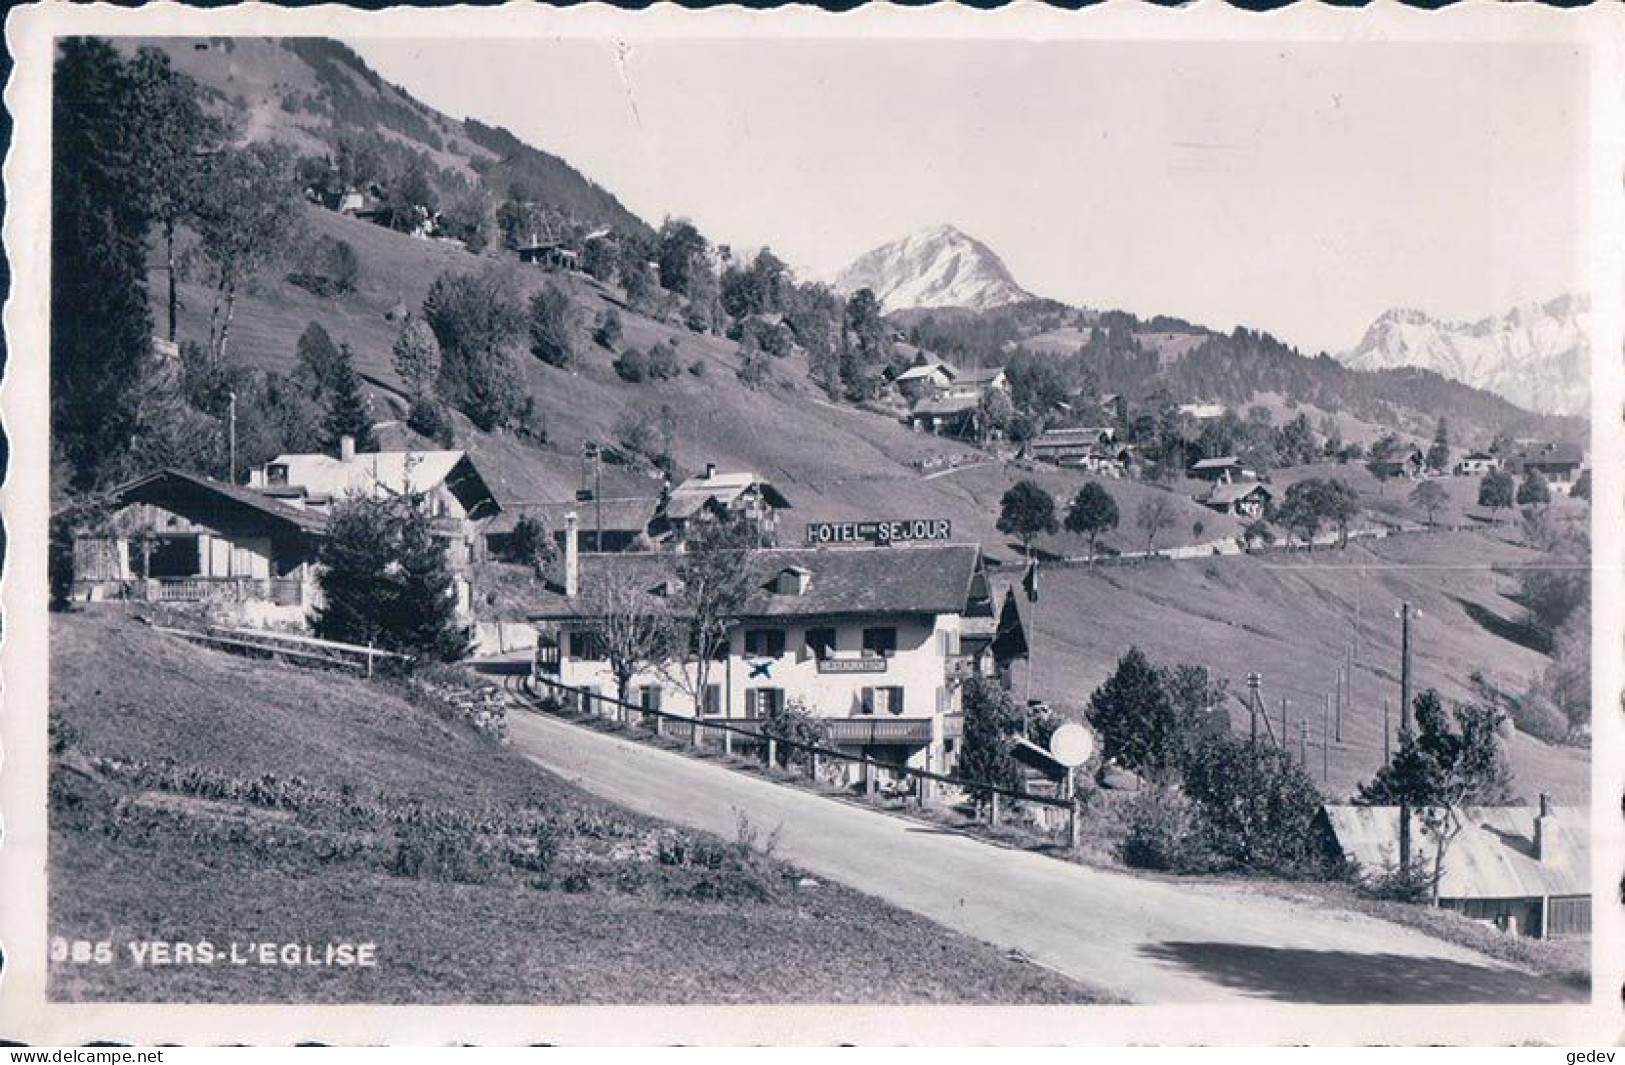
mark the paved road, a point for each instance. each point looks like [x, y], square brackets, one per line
[1143, 939]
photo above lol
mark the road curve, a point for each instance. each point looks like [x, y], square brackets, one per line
[1146, 940]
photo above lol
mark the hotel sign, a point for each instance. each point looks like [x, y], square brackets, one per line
[882, 533]
[866, 664]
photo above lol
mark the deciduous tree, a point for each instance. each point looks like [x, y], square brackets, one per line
[1027, 511]
[1093, 511]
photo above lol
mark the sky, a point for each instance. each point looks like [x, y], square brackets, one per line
[1302, 188]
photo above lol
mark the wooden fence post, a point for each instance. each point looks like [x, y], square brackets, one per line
[772, 752]
[813, 764]
[993, 809]
[728, 741]
[869, 781]
[694, 734]
[1073, 829]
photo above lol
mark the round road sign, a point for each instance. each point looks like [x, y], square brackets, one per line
[1072, 744]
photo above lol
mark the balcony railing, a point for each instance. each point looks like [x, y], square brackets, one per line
[873, 730]
[283, 591]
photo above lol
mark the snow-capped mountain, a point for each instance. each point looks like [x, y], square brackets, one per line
[1537, 355]
[936, 267]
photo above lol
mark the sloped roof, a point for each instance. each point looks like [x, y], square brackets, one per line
[980, 377]
[152, 485]
[698, 490]
[1492, 858]
[926, 579]
[1222, 462]
[944, 405]
[619, 515]
[1225, 494]
[1552, 454]
[926, 369]
[389, 472]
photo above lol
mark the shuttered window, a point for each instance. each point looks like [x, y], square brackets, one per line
[764, 643]
[821, 641]
[880, 641]
[759, 702]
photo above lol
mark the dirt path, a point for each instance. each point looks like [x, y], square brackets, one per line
[1147, 940]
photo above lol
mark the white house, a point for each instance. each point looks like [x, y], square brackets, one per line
[1476, 463]
[459, 500]
[875, 640]
[741, 494]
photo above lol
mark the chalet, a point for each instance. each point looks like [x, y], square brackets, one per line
[874, 641]
[925, 376]
[717, 494]
[976, 382]
[1242, 499]
[1527, 871]
[459, 500]
[1094, 449]
[956, 416]
[1410, 463]
[1223, 469]
[608, 525]
[1476, 463]
[1558, 463]
[177, 537]
[550, 255]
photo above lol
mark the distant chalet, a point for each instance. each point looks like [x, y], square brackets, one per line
[873, 640]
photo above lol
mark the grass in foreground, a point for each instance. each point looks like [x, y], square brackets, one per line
[201, 796]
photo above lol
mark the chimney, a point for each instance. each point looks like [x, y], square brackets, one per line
[710, 470]
[346, 448]
[1545, 845]
[572, 556]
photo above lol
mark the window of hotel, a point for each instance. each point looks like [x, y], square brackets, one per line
[649, 697]
[821, 641]
[713, 699]
[880, 641]
[759, 702]
[764, 643]
[883, 700]
[586, 647]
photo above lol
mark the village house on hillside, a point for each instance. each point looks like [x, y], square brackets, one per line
[1222, 469]
[873, 640]
[742, 495]
[1409, 463]
[1244, 499]
[176, 537]
[1476, 464]
[955, 416]
[1558, 463]
[1527, 871]
[460, 501]
[609, 525]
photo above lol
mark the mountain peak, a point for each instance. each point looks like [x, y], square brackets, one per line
[1536, 355]
[940, 266]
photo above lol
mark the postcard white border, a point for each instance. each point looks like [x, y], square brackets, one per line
[24, 1013]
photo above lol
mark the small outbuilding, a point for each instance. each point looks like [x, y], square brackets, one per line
[1525, 870]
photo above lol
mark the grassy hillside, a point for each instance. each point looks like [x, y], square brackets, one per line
[1292, 617]
[201, 796]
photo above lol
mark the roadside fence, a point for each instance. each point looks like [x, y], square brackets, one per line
[731, 735]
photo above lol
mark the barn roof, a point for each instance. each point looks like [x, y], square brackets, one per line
[1225, 494]
[1492, 858]
[153, 486]
[697, 491]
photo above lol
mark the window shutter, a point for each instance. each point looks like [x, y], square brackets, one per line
[868, 700]
[775, 643]
[750, 703]
[896, 701]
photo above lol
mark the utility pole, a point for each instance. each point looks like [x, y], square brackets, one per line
[1325, 740]
[1348, 690]
[1404, 730]
[1284, 740]
[598, 497]
[232, 433]
[1387, 709]
[1339, 690]
[1253, 681]
[1303, 743]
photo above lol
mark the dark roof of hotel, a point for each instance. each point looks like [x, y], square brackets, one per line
[927, 579]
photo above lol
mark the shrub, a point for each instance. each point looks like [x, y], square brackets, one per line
[530, 545]
[697, 368]
[1165, 833]
[663, 364]
[753, 367]
[429, 417]
[608, 333]
[552, 327]
[1258, 806]
[425, 851]
[795, 721]
[632, 366]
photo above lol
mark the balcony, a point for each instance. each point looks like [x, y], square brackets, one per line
[914, 731]
[283, 591]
